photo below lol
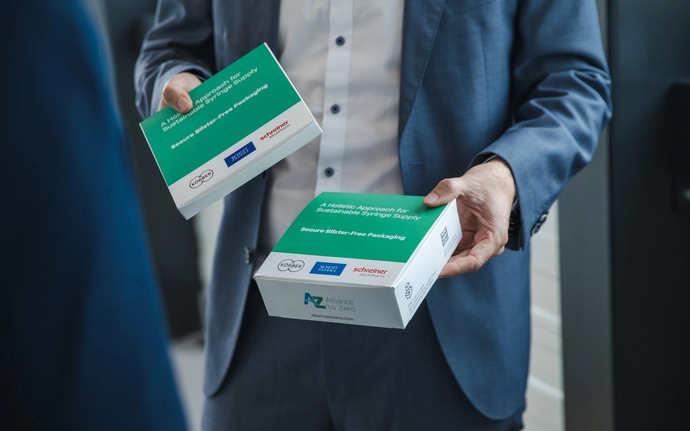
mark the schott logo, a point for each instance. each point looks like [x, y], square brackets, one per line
[290, 265]
[198, 181]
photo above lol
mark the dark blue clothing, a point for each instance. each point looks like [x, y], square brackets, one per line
[326, 376]
[84, 342]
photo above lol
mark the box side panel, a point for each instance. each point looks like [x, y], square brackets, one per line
[250, 171]
[415, 282]
[330, 270]
[241, 155]
[328, 303]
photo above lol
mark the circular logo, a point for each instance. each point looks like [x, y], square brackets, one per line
[290, 265]
[202, 178]
[408, 291]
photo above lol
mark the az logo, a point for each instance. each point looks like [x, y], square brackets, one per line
[316, 300]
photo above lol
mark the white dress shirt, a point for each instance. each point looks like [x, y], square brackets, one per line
[343, 56]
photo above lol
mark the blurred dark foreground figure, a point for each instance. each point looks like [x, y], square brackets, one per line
[84, 341]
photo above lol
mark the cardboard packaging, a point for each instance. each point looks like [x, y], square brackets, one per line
[244, 119]
[360, 259]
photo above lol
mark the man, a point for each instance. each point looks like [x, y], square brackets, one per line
[495, 103]
[84, 342]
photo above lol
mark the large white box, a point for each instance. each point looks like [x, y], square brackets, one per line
[361, 259]
[244, 119]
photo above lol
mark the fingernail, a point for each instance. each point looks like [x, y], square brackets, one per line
[431, 198]
[182, 104]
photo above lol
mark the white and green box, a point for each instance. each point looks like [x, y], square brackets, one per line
[244, 119]
[360, 259]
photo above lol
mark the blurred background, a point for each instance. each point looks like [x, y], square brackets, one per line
[611, 267]
[182, 249]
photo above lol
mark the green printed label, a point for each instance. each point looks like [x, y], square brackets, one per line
[227, 107]
[360, 226]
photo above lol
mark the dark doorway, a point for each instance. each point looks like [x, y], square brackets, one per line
[625, 235]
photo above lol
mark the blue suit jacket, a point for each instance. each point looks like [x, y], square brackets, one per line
[524, 79]
[85, 346]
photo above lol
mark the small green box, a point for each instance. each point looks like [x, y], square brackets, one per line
[244, 119]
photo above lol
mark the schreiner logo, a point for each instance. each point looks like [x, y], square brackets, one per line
[290, 265]
[370, 270]
[275, 130]
[202, 178]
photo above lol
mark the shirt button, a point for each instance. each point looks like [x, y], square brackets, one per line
[340, 41]
[329, 172]
[335, 108]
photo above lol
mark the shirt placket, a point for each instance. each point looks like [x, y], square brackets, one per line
[334, 123]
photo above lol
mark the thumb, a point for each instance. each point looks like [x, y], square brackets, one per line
[175, 92]
[447, 190]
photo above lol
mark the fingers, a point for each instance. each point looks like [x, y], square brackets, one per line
[444, 192]
[484, 197]
[471, 260]
[175, 92]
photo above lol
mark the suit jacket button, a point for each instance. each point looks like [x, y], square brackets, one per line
[540, 222]
[536, 228]
[248, 255]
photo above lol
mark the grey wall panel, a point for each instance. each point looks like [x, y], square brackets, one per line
[586, 298]
[586, 289]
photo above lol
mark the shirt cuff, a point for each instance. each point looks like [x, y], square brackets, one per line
[514, 223]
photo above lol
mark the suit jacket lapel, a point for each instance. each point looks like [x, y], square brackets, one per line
[420, 23]
[262, 18]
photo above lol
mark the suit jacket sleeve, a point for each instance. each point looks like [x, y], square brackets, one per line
[561, 93]
[181, 40]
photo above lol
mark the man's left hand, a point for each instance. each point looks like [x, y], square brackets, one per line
[484, 197]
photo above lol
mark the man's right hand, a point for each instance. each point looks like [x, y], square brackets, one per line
[176, 92]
